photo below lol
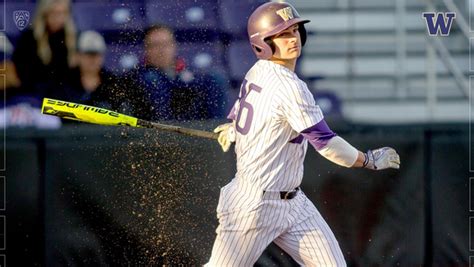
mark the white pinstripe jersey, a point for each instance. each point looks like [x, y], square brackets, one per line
[274, 105]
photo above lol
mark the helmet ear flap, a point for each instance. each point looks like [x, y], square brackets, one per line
[303, 33]
[262, 49]
[257, 48]
[270, 43]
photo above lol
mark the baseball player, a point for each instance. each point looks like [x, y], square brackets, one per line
[272, 122]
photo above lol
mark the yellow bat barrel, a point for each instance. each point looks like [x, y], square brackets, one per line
[84, 113]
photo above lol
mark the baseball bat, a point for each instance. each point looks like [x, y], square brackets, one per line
[95, 115]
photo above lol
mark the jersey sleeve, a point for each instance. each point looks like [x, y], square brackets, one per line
[298, 107]
[233, 112]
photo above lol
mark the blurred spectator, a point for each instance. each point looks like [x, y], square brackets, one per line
[8, 70]
[18, 110]
[44, 54]
[92, 84]
[173, 91]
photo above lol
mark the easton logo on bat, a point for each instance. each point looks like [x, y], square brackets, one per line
[83, 107]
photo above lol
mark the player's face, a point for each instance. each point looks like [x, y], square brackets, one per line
[288, 44]
[160, 49]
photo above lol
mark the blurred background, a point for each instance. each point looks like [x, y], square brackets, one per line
[85, 195]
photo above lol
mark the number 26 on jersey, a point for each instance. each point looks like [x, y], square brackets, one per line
[245, 115]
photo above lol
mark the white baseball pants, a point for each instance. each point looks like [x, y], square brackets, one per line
[294, 225]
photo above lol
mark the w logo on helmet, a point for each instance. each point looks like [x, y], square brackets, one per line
[285, 13]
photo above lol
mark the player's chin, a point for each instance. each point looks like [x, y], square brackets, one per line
[294, 53]
[291, 56]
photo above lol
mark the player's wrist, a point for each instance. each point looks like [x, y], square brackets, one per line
[369, 162]
[366, 160]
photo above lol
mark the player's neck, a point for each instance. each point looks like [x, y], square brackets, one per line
[287, 63]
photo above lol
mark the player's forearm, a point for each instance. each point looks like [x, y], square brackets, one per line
[331, 146]
[340, 152]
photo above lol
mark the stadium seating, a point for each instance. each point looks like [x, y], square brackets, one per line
[182, 14]
[234, 16]
[203, 56]
[120, 58]
[203, 29]
[329, 103]
[104, 16]
[240, 58]
[357, 49]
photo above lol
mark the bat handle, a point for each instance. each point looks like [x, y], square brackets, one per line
[177, 129]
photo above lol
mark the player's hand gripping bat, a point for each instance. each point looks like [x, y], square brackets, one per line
[95, 115]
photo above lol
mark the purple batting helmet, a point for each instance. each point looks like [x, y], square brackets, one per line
[270, 19]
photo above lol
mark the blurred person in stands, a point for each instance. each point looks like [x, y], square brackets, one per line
[45, 53]
[9, 70]
[90, 82]
[18, 110]
[172, 90]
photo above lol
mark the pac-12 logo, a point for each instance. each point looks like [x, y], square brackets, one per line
[439, 23]
[21, 18]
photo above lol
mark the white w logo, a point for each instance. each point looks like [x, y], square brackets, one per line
[285, 13]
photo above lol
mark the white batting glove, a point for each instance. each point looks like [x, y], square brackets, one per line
[226, 133]
[382, 158]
